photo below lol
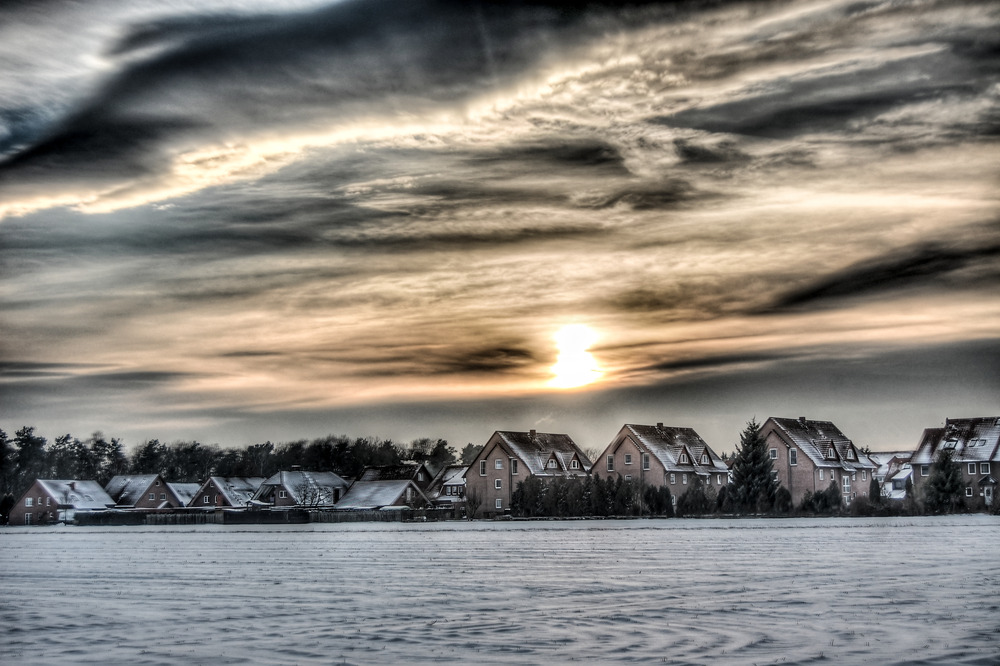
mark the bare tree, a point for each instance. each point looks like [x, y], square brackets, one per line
[473, 500]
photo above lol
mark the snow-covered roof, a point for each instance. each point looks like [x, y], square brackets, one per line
[667, 443]
[972, 440]
[822, 442]
[377, 494]
[128, 489]
[300, 484]
[401, 472]
[80, 495]
[184, 492]
[535, 449]
[238, 490]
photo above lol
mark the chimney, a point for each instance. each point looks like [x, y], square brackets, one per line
[660, 425]
[531, 433]
[72, 485]
[296, 468]
[802, 419]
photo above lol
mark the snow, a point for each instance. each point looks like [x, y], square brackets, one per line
[857, 591]
[81, 495]
[376, 494]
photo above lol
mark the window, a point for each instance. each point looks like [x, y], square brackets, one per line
[854, 476]
[645, 461]
[972, 468]
[482, 468]
[27, 518]
[204, 500]
[684, 458]
[498, 464]
[513, 467]
[152, 496]
[821, 475]
[684, 478]
[793, 457]
[719, 480]
[628, 477]
[773, 453]
[925, 470]
[29, 501]
[831, 454]
[409, 493]
[156, 483]
[48, 501]
[552, 463]
[498, 484]
[574, 464]
[499, 503]
[847, 484]
[282, 494]
[951, 443]
[898, 484]
[611, 463]
[216, 499]
[704, 459]
[628, 458]
[163, 496]
[984, 468]
[968, 491]
[864, 475]
[673, 479]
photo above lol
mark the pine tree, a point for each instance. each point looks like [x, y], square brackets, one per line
[754, 485]
[944, 486]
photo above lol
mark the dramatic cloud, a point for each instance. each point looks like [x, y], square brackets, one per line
[218, 212]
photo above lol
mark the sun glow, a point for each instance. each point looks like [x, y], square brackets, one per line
[575, 366]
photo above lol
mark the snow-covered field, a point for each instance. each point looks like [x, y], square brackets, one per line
[878, 591]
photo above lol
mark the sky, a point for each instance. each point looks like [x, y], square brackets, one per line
[244, 220]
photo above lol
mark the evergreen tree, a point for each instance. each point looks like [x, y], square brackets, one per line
[754, 485]
[874, 492]
[944, 486]
[470, 452]
[30, 461]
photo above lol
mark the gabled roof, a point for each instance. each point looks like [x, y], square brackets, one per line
[302, 484]
[128, 489]
[667, 443]
[972, 440]
[818, 440]
[238, 490]
[450, 475]
[377, 494]
[80, 495]
[400, 472]
[184, 492]
[535, 449]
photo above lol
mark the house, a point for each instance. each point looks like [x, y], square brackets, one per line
[226, 492]
[49, 501]
[448, 486]
[300, 489]
[661, 456]
[807, 455]
[388, 494]
[417, 472]
[975, 443]
[893, 471]
[510, 457]
[147, 491]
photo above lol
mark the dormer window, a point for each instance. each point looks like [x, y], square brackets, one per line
[704, 459]
[552, 463]
[684, 458]
[574, 464]
[831, 454]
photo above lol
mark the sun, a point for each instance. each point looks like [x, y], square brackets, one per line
[575, 366]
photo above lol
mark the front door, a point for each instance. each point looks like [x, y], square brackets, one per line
[988, 493]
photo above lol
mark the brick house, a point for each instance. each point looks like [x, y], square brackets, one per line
[417, 472]
[661, 456]
[147, 491]
[807, 455]
[226, 492]
[976, 446]
[300, 489]
[50, 500]
[448, 486]
[510, 457]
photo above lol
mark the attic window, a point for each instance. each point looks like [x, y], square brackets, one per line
[574, 464]
[831, 454]
[552, 463]
[950, 444]
[704, 459]
[684, 458]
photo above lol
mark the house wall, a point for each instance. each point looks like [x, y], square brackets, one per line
[803, 477]
[654, 476]
[969, 480]
[161, 493]
[209, 497]
[484, 485]
[43, 507]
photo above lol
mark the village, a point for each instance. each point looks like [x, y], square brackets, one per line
[646, 470]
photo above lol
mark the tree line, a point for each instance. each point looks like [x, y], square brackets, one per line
[28, 456]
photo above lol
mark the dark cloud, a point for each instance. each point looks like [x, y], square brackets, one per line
[219, 75]
[926, 264]
[490, 360]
